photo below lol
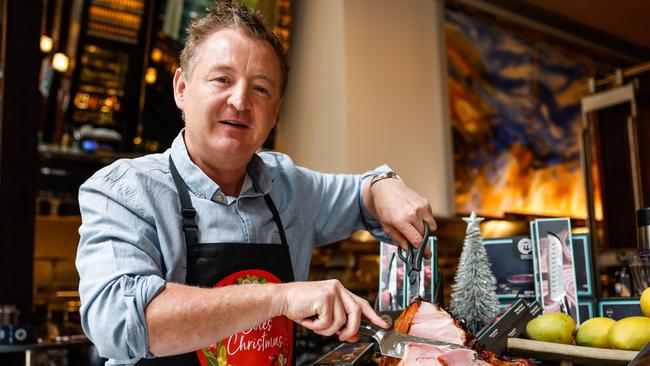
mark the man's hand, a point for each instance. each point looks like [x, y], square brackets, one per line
[400, 210]
[327, 308]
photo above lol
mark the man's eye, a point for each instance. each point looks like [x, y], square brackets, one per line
[262, 90]
[222, 80]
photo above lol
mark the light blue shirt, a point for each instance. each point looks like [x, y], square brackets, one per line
[132, 240]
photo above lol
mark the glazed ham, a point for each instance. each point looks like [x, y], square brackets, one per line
[430, 355]
[430, 321]
[417, 354]
[426, 320]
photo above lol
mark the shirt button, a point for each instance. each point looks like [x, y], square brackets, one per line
[220, 198]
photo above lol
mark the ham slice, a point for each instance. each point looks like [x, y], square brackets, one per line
[429, 355]
[422, 355]
[426, 320]
[457, 357]
[430, 321]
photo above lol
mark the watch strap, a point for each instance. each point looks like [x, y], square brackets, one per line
[383, 175]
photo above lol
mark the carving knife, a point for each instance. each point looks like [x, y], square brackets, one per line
[393, 344]
[557, 292]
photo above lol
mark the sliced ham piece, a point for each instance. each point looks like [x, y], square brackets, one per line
[417, 354]
[457, 357]
[426, 320]
[430, 355]
[430, 321]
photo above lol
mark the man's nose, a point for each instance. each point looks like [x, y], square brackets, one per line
[239, 97]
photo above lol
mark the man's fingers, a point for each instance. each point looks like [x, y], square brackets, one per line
[396, 236]
[411, 232]
[338, 321]
[356, 307]
[370, 313]
[323, 318]
[427, 252]
[307, 323]
[352, 326]
[433, 225]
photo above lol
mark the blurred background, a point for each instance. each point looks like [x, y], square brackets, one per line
[479, 105]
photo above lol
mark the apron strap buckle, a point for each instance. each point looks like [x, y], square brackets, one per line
[189, 213]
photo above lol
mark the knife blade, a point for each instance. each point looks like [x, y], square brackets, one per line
[557, 292]
[393, 344]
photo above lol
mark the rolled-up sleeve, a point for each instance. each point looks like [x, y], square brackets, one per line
[336, 204]
[372, 224]
[119, 267]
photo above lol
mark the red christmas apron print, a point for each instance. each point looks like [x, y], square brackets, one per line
[268, 343]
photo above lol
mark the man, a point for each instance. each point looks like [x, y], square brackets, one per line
[164, 237]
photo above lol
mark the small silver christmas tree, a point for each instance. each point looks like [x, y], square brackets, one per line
[473, 296]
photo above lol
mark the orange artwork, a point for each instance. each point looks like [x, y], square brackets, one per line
[514, 101]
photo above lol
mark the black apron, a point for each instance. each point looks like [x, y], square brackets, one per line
[223, 264]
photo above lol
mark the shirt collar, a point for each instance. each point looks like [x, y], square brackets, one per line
[258, 179]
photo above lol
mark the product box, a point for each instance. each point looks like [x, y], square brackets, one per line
[4, 335]
[347, 354]
[391, 294]
[21, 334]
[428, 275]
[511, 324]
[553, 266]
[583, 270]
[512, 266]
[587, 308]
[15, 334]
[393, 280]
[619, 308]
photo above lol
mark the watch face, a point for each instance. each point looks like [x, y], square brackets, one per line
[382, 176]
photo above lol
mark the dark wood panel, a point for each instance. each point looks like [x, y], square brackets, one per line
[643, 135]
[21, 105]
[616, 177]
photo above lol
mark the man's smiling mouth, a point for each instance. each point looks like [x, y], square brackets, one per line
[233, 123]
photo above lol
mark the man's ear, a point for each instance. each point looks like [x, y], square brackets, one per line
[179, 88]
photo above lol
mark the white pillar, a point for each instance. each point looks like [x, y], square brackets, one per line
[368, 86]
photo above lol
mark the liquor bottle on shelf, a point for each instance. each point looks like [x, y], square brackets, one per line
[623, 280]
[106, 82]
[640, 262]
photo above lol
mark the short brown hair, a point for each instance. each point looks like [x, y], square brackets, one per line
[231, 14]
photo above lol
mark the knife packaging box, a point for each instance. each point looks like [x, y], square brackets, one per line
[391, 295]
[619, 308]
[347, 354]
[554, 266]
[587, 307]
[511, 324]
[15, 334]
[584, 270]
[5, 334]
[512, 266]
[393, 280]
[428, 277]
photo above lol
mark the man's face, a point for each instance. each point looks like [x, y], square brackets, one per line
[231, 96]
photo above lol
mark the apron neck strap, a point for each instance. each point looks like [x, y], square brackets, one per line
[190, 228]
[188, 212]
[276, 218]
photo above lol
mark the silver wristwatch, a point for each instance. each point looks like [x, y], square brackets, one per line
[382, 176]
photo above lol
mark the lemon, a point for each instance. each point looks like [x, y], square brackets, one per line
[645, 302]
[630, 333]
[593, 332]
[552, 327]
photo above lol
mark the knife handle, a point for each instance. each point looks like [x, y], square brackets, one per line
[372, 331]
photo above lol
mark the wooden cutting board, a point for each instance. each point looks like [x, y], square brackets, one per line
[568, 353]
